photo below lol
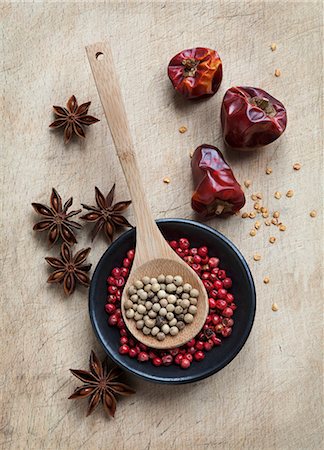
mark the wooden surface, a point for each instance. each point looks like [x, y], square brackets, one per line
[270, 396]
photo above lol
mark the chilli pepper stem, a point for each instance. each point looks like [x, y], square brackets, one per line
[190, 65]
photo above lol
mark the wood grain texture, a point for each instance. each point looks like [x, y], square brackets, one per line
[270, 396]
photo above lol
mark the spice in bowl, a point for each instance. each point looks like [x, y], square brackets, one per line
[162, 305]
[218, 324]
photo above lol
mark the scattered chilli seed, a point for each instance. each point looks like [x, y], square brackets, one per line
[191, 153]
[277, 73]
[266, 280]
[276, 214]
[268, 170]
[274, 307]
[277, 195]
[274, 221]
[313, 213]
[252, 233]
[282, 227]
[273, 46]
[257, 225]
[272, 239]
[257, 206]
[254, 197]
[267, 223]
[247, 183]
[264, 210]
[257, 257]
[183, 130]
[290, 193]
[259, 196]
[252, 215]
[297, 166]
[265, 215]
[245, 215]
[166, 180]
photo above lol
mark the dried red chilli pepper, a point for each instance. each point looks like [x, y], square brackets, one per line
[216, 190]
[196, 72]
[251, 118]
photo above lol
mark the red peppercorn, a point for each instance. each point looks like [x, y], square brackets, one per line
[123, 349]
[126, 262]
[212, 303]
[203, 251]
[227, 282]
[111, 280]
[123, 340]
[112, 299]
[132, 353]
[227, 312]
[216, 340]
[229, 298]
[216, 319]
[204, 261]
[123, 332]
[228, 322]
[213, 262]
[251, 118]
[112, 320]
[167, 360]
[173, 244]
[226, 331]
[143, 356]
[197, 259]
[131, 341]
[208, 346]
[218, 328]
[213, 293]
[112, 289]
[131, 254]
[124, 272]
[199, 356]
[120, 281]
[196, 267]
[118, 295]
[205, 276]
[189, 356]
[196, 72]
[184, 243]
[191, 350]
[142, 346]
[221, 274]
[152, 354]
[174, 351]
[120, 323]
[191, 343]
[185, 363]
[222, 293]
[110, 308]
[157, 361]
[178, 358]
[199, 345]
[233, 306]
[218, 285]
[221, 304]
[116, 272]
[208, 319]
[208, 285]
[194, 251]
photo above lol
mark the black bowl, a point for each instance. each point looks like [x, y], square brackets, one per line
[243, 289]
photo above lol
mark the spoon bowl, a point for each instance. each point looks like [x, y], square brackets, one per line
[153, 255]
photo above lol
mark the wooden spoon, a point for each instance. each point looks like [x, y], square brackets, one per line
[153, 254]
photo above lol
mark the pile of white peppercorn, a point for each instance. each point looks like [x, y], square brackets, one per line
[162, 305]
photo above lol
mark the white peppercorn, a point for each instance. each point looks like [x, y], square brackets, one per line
[138, 316]
[141, 309]
[194, 293]
[179, 290]
[165, 328]
[128, 304]
[193, 301]
[174, 331]
[170, 307]
[154, 299]
[171, 299]
[177, 280]
[173, 322]
[162, 286]
[162, 294]
[169, 316]
[147, 288]
[152, 314]
[155, 287]
[150, 295]
[169, 279]
[178, 310]
[156, 307]
[146, 330]
[185, 296]
[161, 278]
[153, 281]
[130, 313]
[164, 302]
[132, 290]
[149, 323]
[135, 307]
[187, 287]
[163, 312]
[148, 305]
[142, 294]
[192, 309]
[146, 280]
[180, 316]
[155, 331]
[138, 284]
[160, 336]
[184, 312]
[180, 325]
[185, 303]
[171, 288]
[188, 318]
[134, 298]
[140, 324]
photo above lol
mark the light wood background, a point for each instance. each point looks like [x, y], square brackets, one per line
[270, 396]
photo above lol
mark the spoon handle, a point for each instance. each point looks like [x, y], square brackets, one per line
[149, 238]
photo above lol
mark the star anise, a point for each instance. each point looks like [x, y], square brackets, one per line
[100, 384]
[106, 215]
[72, 118]
[57, 219]
[70, 269]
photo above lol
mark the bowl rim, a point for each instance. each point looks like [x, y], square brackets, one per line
[179, 379]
